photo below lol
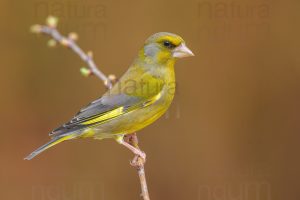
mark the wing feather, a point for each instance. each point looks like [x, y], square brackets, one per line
[102, 109]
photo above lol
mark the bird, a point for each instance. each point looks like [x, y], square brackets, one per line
[137, 99]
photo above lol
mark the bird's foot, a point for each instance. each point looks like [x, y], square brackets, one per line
[131, 142]
[138, 161]
[141, 154]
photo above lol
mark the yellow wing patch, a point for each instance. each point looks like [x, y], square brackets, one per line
[109, 115]
[119, 111]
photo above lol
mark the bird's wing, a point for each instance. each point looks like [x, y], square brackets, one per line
[101, 110]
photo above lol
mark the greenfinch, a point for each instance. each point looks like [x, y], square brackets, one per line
[140, 97]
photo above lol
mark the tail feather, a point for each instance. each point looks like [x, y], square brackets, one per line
[51, 143]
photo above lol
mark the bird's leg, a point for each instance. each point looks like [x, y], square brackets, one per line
[138, 160]
[132, 147]
[136, 151]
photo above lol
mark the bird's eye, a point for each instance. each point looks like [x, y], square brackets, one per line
[168, 44]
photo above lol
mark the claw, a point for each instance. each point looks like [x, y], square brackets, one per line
[137, 161]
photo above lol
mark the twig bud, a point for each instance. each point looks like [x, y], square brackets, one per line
[112, 77]
[36, 28]
[85, 71]
[52, 21]
[73, 36]
[65, 42]
[90, 54]
[51, 43]
[106, 83]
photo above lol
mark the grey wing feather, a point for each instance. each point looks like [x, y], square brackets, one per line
[94, 109]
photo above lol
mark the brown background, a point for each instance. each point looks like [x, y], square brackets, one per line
[232, 131]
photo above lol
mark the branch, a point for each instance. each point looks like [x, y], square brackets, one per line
[50, 29]
[142, 176]
[138, 163]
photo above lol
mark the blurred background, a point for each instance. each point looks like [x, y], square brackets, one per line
[232, 131]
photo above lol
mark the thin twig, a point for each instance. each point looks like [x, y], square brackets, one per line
[142, 176]
[50, 29]
[139, 163]
[70, 42]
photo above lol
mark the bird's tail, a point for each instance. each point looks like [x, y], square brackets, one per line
[54, 141]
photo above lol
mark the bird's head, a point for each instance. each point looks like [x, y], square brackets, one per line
[163, 47]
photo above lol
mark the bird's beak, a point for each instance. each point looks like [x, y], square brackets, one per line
[182, 51]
